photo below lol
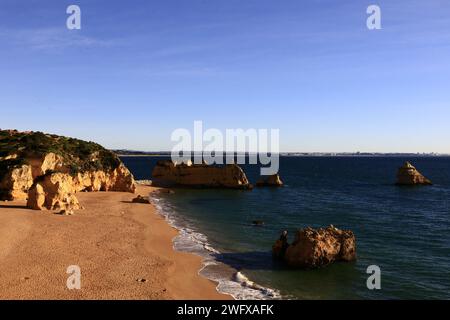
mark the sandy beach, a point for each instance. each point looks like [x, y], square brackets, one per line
[124, 251]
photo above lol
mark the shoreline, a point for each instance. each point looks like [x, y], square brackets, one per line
[124, 252]
[189, 240]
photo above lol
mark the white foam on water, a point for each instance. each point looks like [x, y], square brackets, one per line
[230, 281]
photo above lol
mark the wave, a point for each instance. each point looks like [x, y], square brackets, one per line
[230, 281]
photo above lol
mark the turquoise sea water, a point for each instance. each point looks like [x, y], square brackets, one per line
[403, 230]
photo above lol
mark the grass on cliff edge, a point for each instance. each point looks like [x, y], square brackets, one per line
[79, 155]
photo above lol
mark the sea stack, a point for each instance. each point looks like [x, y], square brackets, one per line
[169, 174]
[314, 248]
[270, 181]
[408, 176]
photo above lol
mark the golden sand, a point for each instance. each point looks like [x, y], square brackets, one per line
[124, 251]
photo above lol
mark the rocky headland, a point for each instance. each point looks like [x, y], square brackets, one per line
[48, 170]
[169, 174]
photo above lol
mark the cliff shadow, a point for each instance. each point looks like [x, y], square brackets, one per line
[12, 206]
[251, 260]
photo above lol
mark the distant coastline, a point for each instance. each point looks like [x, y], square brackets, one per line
[134, 153]
[142, 155]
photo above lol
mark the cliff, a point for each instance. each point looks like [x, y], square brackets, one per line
[409, 175]
[34, 164]
[55, 191]
[167, 173]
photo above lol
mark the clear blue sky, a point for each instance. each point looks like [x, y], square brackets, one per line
[139, 69]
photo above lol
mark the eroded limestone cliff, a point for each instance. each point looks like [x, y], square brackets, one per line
[48, 169]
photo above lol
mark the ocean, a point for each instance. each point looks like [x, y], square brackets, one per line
[403, 230]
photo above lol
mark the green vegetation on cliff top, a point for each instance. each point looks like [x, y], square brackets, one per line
[79, 155]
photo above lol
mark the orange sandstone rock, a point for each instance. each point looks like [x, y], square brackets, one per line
[49, 169]
[53, 192]
[119, 179]
[140, 199]
[314, 248]
[166, 173]
[409, 175]
[270, 181]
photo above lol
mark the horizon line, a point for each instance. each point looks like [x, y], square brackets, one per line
[139, 152]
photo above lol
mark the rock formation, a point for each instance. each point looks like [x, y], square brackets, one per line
[48, 170]
[280, 246]
[166, 173]
[270, 181]
[164, 191]
[408, 175]
[258, 223]
[17, 181]
[313, 248]
[118, 179]
[54, 191]
[65, 212]
[140, 199]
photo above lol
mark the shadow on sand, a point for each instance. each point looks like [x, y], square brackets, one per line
[12, 206]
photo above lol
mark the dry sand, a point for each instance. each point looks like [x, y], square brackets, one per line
[115, 242]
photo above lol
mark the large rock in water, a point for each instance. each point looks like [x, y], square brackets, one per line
[166, 173]
[270, 181]
[408, 175]
[313, 248]
[29, 159]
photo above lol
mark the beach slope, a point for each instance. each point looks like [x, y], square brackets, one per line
[124, 251]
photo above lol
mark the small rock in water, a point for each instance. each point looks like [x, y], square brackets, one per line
[165, 190]
[258, 223]
[270, 181]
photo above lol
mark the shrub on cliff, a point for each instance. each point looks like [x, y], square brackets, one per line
[28, 158]
[79, 155]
